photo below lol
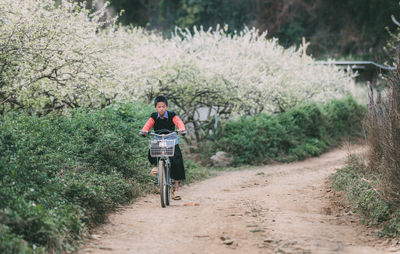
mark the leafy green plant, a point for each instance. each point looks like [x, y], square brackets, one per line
[62, 173]
[366, 195]
[303, 131]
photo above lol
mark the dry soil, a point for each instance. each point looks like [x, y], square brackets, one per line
[281, 208]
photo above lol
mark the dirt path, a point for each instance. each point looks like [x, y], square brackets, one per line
[273, 209]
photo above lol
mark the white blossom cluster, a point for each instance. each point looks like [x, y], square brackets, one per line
[244, 72]
[62, 56]
[51, 56]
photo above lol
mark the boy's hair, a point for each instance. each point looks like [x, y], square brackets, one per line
[160, 99]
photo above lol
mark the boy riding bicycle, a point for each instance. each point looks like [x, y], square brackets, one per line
[167, 120]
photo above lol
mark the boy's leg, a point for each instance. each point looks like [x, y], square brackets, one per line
[154, 171]
[153, 161]
[175, 194]
[177, 167]
[176, 185]
[177, 171]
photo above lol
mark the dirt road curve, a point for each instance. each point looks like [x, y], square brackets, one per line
[273, 209]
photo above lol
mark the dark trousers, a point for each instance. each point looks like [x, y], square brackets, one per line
[177, 169]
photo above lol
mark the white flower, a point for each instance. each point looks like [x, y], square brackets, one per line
[60, 56]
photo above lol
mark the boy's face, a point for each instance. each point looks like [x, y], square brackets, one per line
[161, 108]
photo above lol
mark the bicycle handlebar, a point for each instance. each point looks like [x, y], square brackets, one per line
[162, 135]
[154, 133]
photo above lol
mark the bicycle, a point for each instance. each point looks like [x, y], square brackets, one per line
[163, 147]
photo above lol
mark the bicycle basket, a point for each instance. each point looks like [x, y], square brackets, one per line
[162, 148]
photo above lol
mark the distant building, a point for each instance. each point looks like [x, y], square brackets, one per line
[367, 70]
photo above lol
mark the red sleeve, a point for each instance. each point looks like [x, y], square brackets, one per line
[178, 123]
[148, 125]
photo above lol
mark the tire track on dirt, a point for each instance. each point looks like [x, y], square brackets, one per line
[279, 208]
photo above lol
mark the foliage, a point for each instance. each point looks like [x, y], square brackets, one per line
[164, 15]
[213, 71]
[52, 57]
[365, 193]
[382, 125]
[373, 188]
[303, 131]
[359, 30]
[60, 174]
[61, 56]
[392, 46]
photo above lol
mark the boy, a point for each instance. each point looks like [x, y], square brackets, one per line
[163, 119]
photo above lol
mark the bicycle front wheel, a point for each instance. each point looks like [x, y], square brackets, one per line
[168, 181]
[163, 184]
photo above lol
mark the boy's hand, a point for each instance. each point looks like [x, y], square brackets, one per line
[144, 133]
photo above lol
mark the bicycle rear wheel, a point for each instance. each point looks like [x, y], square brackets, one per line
[163, 184]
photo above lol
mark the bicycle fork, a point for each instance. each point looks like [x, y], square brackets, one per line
[167, 165]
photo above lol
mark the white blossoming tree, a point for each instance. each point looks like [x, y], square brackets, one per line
[59, 56]
[52, 56]
[244, 73]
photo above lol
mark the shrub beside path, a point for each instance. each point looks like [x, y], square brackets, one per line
[282, 208]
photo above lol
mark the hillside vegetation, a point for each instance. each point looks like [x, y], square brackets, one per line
[359, 31]
[303, 131]
[74, 91]
[373, 185]
[62, 174]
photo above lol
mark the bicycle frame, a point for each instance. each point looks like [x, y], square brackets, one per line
[163, 173]
[167, 164]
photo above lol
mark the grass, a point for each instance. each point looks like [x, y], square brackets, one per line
[365, 193]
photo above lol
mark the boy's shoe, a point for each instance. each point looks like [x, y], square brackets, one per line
[154, 171]
[176, 196]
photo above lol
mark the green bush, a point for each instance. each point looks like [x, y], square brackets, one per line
[304, 131]
[344, 117]
[59, 174]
